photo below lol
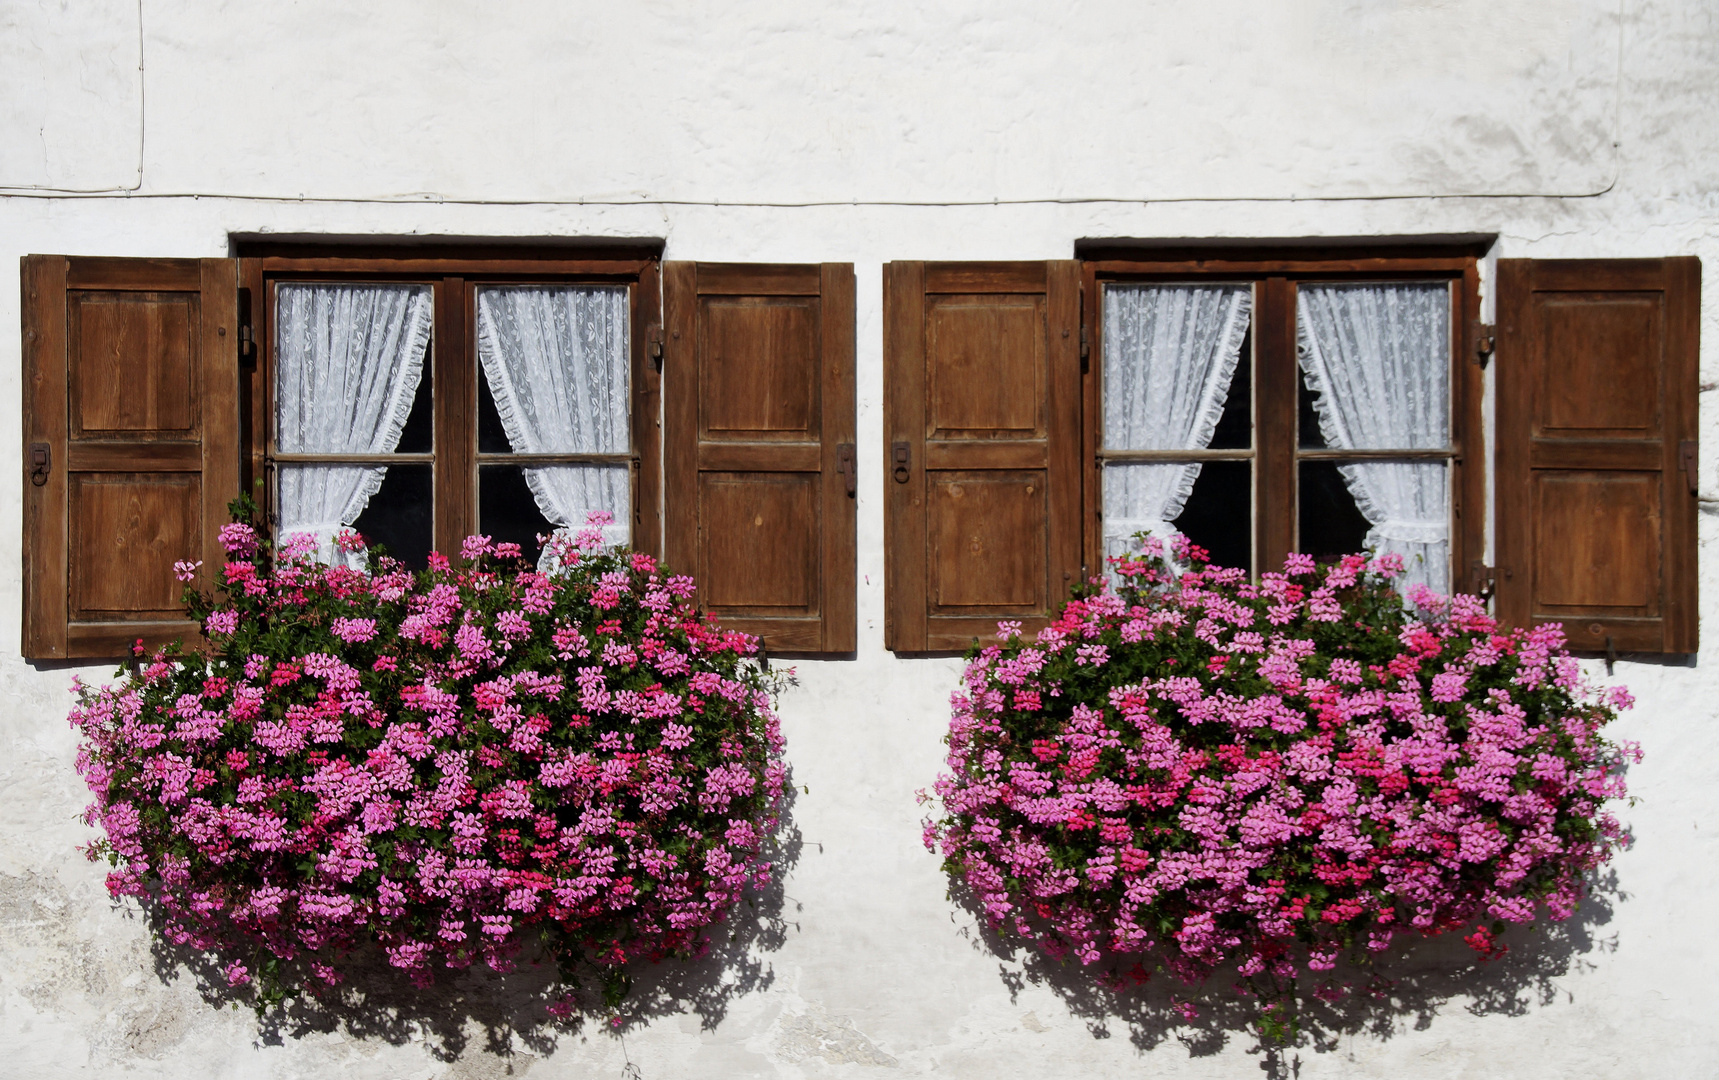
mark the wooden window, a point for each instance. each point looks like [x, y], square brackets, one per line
[130, 445]
[982, 482]
[1597, 370]
[760, 471]
[454, 471]
[1269, 482]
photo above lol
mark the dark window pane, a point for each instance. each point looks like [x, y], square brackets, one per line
[1218, 516]
[399, 517]
[418, 436]
[492, 437]
[1307, 417]
[1235, 426]
[507, 511]
[1331, 523]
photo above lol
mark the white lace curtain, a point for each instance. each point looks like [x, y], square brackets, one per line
[1377, 357]
[556, 359]
[348, 359]
[1170, 352]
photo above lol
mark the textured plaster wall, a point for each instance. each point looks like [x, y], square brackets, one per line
[1571, 128]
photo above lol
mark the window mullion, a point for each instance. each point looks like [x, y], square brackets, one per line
[455, 403]
[1274, 423]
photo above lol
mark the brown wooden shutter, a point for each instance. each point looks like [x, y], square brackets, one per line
[982, 496]
[1596, 453]
[131, 445]
[758, 439]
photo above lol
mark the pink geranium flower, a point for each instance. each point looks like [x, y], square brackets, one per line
[1204, 773]
[448, 763]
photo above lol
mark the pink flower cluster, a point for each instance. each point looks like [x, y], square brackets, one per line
[446, 764]
[1207, 772]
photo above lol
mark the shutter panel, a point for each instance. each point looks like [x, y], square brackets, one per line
[1596, 410]
[131, 391]
[982, 491]
[758, 447]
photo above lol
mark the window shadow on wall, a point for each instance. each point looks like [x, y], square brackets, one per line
[502, 1013]
[1404, 989]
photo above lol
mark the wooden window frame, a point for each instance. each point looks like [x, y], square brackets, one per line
[454, 274]
[1276, 452]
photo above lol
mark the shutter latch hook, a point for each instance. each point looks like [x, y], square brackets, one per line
[41, 462]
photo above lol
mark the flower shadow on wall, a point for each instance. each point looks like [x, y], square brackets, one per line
[501, 1012]
[1404, 989]
[1231, 785]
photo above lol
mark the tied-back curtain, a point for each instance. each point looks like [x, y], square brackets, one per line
[1170, 352]
[348, 359]
[1377, 358]
[556, 359]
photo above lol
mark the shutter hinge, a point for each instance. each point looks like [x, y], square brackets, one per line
[636, 465]
[1483, 336]
[846, 465]
[1690, 463]
[247, 342]
[1085, 350]
[654, 346]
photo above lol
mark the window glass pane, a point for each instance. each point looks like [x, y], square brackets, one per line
[1376, 356]
[1331, 523]
[492, 437]
[516, 504]
[555, 362]
[418, 434]
[1306, 417]
[348, 362]
[1384, 506]
[348, 373]
[1235, 424]
[390, 506]
[507, 511]
[1178, 376]
[399, 517]
[1170, 352]
[1218, 515]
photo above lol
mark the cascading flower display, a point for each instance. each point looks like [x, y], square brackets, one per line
[449, 764]
[1200, 772]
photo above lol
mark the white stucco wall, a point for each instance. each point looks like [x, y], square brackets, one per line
[751, 131]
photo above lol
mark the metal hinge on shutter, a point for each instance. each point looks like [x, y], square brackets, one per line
[1085, 350]
[635, 465]
[247, 342]
[1483, 337]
